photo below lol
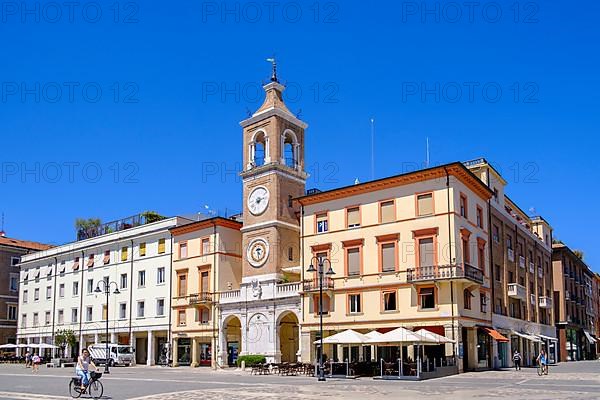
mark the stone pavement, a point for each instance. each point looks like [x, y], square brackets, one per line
[572, 381]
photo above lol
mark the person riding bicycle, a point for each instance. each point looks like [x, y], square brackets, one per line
[542, 361]
[82, 369]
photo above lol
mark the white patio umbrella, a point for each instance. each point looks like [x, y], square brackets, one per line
[46, 346]
[438, 339]
[401, 336]
[373, 334]
[346, 337]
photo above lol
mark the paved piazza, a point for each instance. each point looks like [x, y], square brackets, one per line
[579, 380]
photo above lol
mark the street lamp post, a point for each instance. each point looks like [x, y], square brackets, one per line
[319, 270]
[106, 284]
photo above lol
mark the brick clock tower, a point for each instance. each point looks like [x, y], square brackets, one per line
[273, 175]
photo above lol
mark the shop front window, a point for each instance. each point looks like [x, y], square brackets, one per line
[184, 356]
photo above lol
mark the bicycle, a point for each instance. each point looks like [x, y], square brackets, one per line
[542, 369]
[94, 387]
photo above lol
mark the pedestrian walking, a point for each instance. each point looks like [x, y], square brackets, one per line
[36, 360]
[517, 360]
[27, 359]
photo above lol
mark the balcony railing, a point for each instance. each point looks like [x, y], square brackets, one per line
[292, 288]
[511, 255]
[545, 302]
[200, 298]
[444, 272]
[522, 262]
[313, 284]
[517, 291]
[230, 294]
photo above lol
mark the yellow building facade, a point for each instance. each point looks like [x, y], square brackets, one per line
[206, 261]
[409, 250]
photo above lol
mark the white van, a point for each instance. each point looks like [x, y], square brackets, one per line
[119, 354]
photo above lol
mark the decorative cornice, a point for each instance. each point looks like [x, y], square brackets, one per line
[270, 112]
[456, 169]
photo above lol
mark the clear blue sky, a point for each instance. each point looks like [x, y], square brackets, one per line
[176, 78]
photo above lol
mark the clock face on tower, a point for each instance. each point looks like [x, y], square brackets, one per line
[258, 200]
[257, 252]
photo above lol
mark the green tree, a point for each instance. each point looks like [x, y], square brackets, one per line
[83, 223]
[152, 216]
[64, 338]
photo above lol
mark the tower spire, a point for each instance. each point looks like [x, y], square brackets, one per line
[274, 69]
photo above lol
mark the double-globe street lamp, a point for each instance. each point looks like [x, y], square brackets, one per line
[106, 284]
[320, 271]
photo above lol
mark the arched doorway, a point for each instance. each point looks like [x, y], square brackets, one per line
[232, 329]
[288, 334]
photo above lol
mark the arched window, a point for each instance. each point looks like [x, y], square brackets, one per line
[259, 149]
[290, 149]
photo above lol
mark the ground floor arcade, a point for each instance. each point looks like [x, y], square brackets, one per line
[270, 328]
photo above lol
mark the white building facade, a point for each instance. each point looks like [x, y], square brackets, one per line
[58, 290]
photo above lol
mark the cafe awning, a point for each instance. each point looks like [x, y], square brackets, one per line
[531, 338]
[497, 336]
[589, 337]
[550, 338]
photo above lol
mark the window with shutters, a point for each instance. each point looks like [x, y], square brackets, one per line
[106, 258]
[426, 252]
[388, 256]
[124, 254]
[326, 304]
[354, 303]
[161, 246]
[142, 249]
[353, 261]
[181, 318]
[479, 217]
[204, 282]
[183, 250]
[322, 223]
[182, 285]
[463, 206]
[353, 217]
[205, 246]
[389, 301]
[387, 211]
[425, 204]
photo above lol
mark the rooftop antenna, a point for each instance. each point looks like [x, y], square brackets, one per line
[2, 233]
[372, 149]
[274, 69]
[427, 151]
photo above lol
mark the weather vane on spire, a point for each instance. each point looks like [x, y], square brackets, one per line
[274, 65]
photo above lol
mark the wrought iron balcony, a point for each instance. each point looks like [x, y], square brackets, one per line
[312, 285]
[444, 272]
[200, 298]
[545, 302]
[517, 291]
